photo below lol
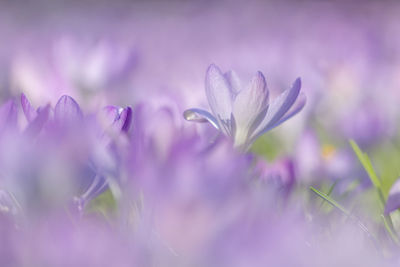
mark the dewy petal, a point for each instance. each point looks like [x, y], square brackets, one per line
[200, 115]
[249, 103]
[233, 81]
[125, 119]
[67, 110]
[219, 95]
[393, 201]
[29, 111]
[119, 119]
[278, 108]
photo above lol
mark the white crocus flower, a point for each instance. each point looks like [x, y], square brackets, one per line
[246, 113]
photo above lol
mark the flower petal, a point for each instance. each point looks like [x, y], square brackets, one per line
[393, 201]
[233, 81]
[200, 115]
[296, 108]
[218, 93]
[67, 110]
[8, 115]
[29, 111]
[108, 115]
[278, 108]
[36, 125]
[123, 123]
[248, 105]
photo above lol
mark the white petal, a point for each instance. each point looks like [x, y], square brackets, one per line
[248, 105]
[234, 82]
[218, 93]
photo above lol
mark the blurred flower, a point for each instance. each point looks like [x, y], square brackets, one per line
[316, 161]
[279, 175]
[73, 66]
[366, 127]
[245, 114]
[94, 65]
[80, 151]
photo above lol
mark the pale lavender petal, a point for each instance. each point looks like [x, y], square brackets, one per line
[109, 114]
[249, 103]
[36, 125]
[67, 110]
[8, 115]
[278, 108]
[29, 111]
[200, 115]
[218, 93]
[393, 201]
[233, 81]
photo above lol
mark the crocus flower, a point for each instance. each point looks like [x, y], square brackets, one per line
[280, 175]
[393, 201]
[244, 114]
[67, 120]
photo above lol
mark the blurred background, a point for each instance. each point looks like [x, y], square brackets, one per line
[124, 52]
[142, 185]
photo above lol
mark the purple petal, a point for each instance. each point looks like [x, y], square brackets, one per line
[296, 108]
[278, 108]
[35, 126]
[108, 115]
[8, 115]
[29, 111]
[218, 93]
[67, 110]
[200, 115]
[393, 201]
[125, 119]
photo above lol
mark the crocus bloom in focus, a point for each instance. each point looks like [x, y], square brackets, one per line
[244, 114]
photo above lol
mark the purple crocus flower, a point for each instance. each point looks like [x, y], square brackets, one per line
[65, 121]
[244, 114]
[393, 201]
[280, 175]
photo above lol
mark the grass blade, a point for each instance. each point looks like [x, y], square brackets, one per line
[331, 201]
[389, 229]
[360, 224]
[366, 162]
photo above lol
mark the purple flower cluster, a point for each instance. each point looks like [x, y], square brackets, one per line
[137, 186]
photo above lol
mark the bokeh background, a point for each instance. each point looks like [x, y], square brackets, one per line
[122, 53]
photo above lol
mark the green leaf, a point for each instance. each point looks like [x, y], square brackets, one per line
[390, 230]
[330, 200]
[366, 162]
